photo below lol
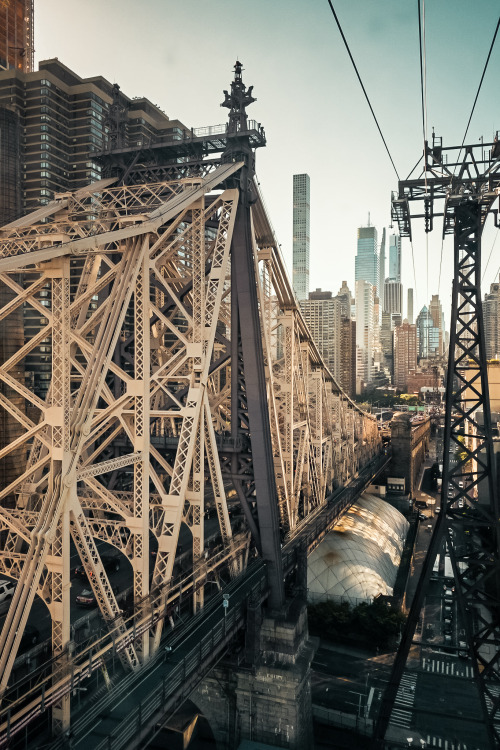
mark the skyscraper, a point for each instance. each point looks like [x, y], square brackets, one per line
[393, 296]
[436, 313]
[301, 237]
[428, 335]
[381, 271]
[365, 296]
[409, 307]
[348, 356]
[367, 260]
[405, 353]
[322, 313]
[395, 257]
[16, 35]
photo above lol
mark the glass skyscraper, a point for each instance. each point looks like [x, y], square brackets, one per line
[301, 238]
[395, 257]
[367, 261]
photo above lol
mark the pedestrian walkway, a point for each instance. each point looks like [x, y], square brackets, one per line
[402, 717]
[452, 669]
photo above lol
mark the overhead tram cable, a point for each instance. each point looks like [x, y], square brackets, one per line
[362, 85]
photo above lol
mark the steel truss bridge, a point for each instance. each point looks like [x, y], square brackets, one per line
[182, 370]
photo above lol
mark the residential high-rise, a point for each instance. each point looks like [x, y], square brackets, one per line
[409, 307]
[348, 355]
[395, 257]
[63, 120]
[347, 303]
[365, 297]
[491, 317]
[405, 353]
[381, 264]
[393, 296]
[322, 313]
[16, 35]
[367, 261]
[301, 237]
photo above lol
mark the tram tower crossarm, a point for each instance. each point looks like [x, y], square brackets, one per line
[450, 176]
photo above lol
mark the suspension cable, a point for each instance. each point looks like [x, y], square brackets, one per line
[362, 86]
[489, 258]
[478, 90]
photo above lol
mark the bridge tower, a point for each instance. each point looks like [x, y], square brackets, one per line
[468, 521]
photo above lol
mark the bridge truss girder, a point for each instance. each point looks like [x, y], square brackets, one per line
[134, 430]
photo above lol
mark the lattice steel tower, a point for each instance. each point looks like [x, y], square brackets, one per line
[468, 521]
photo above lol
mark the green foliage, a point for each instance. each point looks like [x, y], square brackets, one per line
[377, 623]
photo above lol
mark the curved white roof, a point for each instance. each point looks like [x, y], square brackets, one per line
[359, 559]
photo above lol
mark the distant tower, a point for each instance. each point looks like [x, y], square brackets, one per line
[491, 315]
[16, 35]
[367, 262]
[365, 298]
[381, 271]
[393, 296]
[405, 353]
[395, 257]
[301, 238]
[409, 307]
[322, 313]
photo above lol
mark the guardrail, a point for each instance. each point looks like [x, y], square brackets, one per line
[206, 650]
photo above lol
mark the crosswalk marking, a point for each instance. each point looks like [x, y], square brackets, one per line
[452, 669]
[405, 697]
[433, 741]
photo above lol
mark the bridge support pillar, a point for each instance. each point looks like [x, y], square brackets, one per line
[268, 700]
[273, 700]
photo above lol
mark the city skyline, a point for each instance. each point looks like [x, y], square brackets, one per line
[166, 73]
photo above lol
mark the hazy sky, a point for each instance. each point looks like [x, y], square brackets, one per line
[181, 55]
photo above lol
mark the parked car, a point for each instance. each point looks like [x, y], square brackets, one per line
[422, 517]
[6, 590]
[111, 564]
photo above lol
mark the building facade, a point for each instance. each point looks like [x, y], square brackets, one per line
[381, 266]
[428, 336]
[395, 257]
[16, 35]
[393, 296]
[405, 353]
[301, 236]
[491, 317]
[367, 260]
[347, 364]
[365, 298]
[322, 313]
[436, 313]
[409, 307]
[62, 122]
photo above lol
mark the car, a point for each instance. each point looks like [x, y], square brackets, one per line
[88, 599]
[448, 591]
[422, 517]
[7, 589]
[448, 613]
[448, 628]
[448, 601]
[437, 510]
[110, 563]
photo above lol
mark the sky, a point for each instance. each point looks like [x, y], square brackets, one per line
[181, 55]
